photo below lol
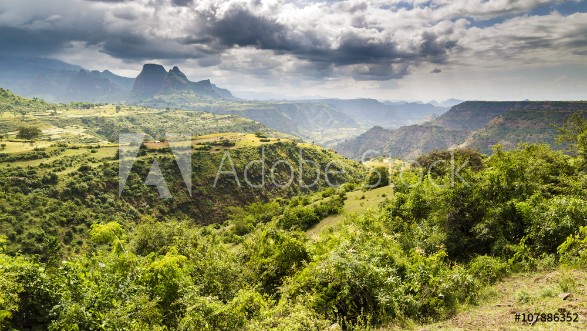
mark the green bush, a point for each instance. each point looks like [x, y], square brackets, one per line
[556, 219]
[574, 249]
[272, 254]
[298, 217]
[487, 269]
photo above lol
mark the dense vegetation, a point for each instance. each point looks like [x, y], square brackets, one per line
[76, 256]
[144, 265]
[10, 102]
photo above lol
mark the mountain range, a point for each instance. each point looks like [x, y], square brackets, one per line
[472, 124]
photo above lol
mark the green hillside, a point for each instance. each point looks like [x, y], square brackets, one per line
[406, 143]
[474, 124]
[523, 125]
[79, 186]
[9, 102]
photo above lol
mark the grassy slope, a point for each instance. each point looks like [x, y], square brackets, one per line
[360, 201]
[520, 293]
[357, 202]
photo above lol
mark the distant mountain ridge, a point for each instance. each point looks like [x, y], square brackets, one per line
[407, 142]
[474, 124]
[473, 115]
[97, 86]
[57, 81]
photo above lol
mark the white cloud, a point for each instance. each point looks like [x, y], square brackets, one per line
[277, 42]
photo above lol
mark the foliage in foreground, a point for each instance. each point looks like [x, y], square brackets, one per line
[432, 247]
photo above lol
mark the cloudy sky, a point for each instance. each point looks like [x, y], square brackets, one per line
[390, 50]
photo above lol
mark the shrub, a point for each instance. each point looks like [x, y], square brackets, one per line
[378, 177]
[574, 249]
[28, 132]
[555, 220]
[271, 254]
[487, 269]
[298, 217]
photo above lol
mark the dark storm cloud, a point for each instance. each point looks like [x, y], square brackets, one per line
[240, 27]
[19, 41]
[356, 49]
[434, 48]
[182, 2]
[133, 47]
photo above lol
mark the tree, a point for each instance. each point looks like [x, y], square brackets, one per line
[28, 132]
[574, 131]
[378, 177]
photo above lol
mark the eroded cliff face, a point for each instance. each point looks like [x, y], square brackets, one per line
[150, 81]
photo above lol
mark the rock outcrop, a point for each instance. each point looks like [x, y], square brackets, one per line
[150, 81]
[155, 80]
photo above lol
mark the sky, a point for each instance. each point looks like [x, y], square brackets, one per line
[389, 50]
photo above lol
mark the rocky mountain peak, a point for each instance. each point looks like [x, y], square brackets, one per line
[154, 79]
[153, 68]
[176, 80]
[150, 80]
